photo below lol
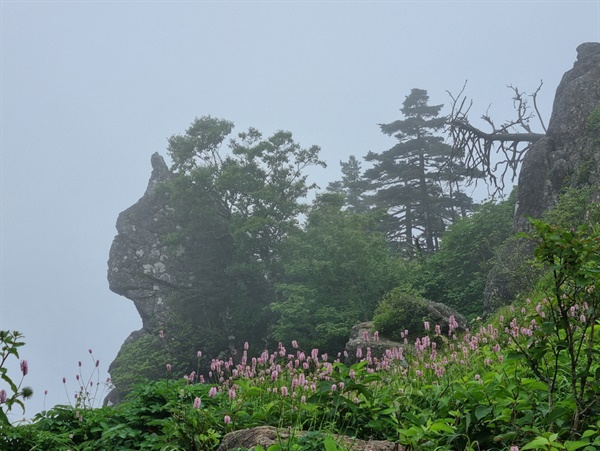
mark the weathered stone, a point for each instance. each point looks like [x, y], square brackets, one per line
[266, 436]
[568, 156]
[141, 267]
[170, 284]
[440, 314]
[361, 336]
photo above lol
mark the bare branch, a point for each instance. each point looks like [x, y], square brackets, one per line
[500, 151]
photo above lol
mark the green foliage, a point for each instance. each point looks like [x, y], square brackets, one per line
[10, 342]
[575, 206]
[457, 274]
[510, 383]
[137, 360]
[234, 203]
[563, 344]
[334, 272]
[403, 308]
[352, 185]
[593, 120]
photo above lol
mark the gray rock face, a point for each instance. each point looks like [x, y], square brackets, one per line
[568, 155]
[140, 266]
[362, 337]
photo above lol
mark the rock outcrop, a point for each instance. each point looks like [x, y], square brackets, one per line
[266, 436]
[568, 156]
[362, 334]
[141, 266]
[362, 337]
[175, 277]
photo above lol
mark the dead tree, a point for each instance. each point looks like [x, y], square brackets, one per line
[500, 151]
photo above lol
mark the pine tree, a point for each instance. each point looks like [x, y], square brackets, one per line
[352, 185]
[412, 180]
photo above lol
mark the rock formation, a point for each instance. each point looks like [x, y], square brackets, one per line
[362, 336]
[266, 436]
[176, 280]
[568, 156]
[141, 267]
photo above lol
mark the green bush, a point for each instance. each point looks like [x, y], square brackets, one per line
[457, 274]
[403, 308]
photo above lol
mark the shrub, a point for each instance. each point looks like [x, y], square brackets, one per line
[401, 309]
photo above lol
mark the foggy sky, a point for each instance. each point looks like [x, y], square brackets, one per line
[89, 90]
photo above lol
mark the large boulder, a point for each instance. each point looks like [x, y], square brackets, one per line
[266, 436]
[362, 337]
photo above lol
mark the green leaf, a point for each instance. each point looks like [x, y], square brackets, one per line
[536, 443]
[482, 411]
[572, 446]
[440, 426]
[330, 444]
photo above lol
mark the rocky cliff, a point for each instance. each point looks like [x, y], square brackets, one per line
[569, 154]
[567, 157]
[176, 279]
[141, 267]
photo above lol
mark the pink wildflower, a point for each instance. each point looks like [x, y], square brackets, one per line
[197, 403]
[24, 367]
[315, 354]
[3, 396]
[226, 419]
[168, 367]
